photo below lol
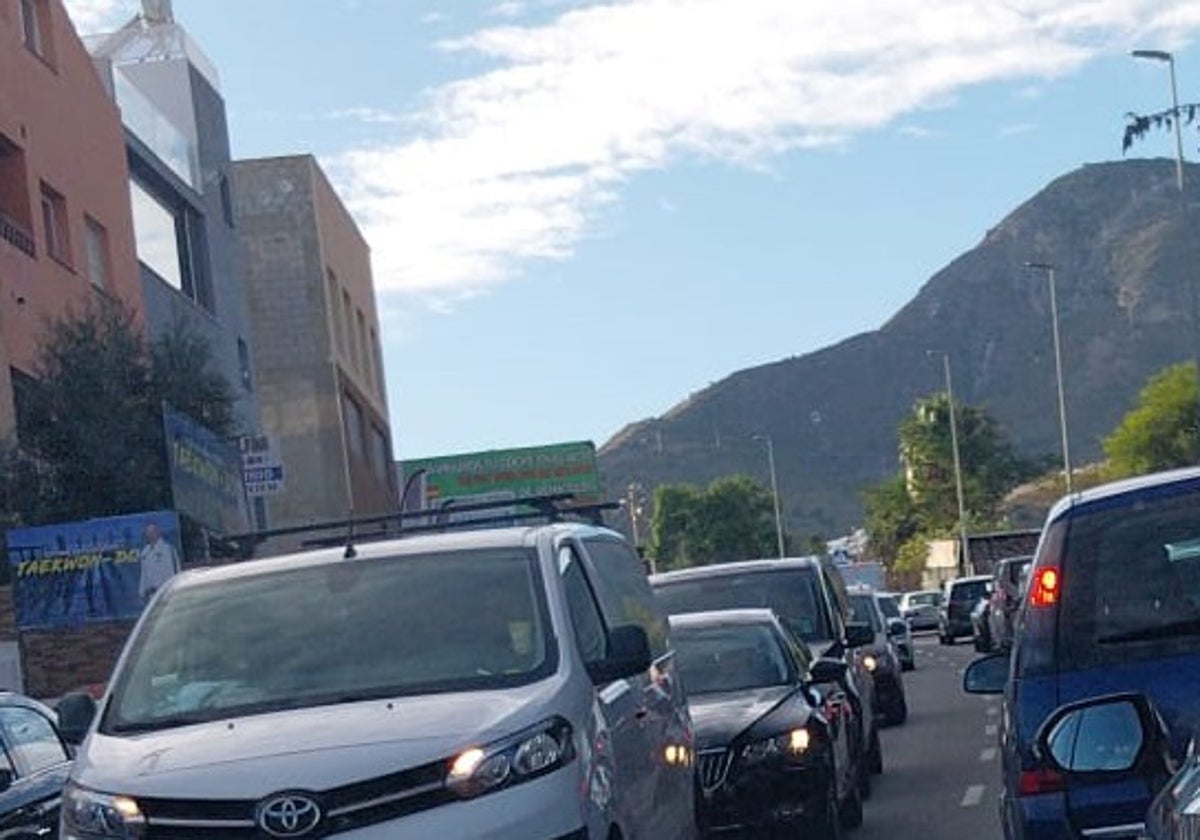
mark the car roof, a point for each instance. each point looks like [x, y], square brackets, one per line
[438, 543]
[1122, 487]
[717, 618]
[723, 569]
[969, 579]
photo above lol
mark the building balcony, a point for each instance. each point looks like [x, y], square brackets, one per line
[16, 235]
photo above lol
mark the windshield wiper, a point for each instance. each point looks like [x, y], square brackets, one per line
[1184, 627]
[169, 722]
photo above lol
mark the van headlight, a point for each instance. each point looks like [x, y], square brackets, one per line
[535, 752]
[88, 815]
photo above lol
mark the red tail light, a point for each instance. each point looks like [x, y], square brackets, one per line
[1042, 780]
[1045, 587]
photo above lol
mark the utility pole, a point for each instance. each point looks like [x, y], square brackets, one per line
[774, 491]
[958, 479]
[1050, 270]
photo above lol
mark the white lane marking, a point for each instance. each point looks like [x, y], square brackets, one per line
[972, 797]
[993, 710]
[988, 755]
[991, 730]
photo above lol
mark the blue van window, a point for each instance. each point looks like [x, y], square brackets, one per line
[1131, 584]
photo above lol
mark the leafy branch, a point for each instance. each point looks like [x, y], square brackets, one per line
[1138, 126]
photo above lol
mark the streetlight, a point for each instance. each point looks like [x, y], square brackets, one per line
[1163, 55]
[958, 480]
[774, 490]
[1050, 270]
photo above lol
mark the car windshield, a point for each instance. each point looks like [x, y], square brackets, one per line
[731, 657]
[924, 599]
[862, 609]
[791, 593]
[335, 633]
[969, 591]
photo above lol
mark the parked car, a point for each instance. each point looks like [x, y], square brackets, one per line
[1008, 585]
[774, 754]
[1112, 606]
[959, 598]
[920, 609]
[34, 763]
[810, 598]
[513, 683]
[880, 658]
[898, 629]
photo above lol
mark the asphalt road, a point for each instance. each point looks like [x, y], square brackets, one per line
[941, 776]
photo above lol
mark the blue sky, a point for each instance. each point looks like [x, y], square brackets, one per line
[580, 212]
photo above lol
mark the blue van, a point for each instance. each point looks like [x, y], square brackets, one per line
[1112, 606]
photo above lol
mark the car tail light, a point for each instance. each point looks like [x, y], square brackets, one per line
[1045, 587]
[1042, 780]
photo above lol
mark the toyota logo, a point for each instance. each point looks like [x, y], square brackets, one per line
[288, 815]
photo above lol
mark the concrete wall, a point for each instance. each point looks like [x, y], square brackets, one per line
[57, 112]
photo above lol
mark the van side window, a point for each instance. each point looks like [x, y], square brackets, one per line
[624, 592]
[581, 604]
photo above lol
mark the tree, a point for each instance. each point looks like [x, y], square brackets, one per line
[90, 433]
[892, 518]
[1137, 126]
[1160, 431]
[730, 519]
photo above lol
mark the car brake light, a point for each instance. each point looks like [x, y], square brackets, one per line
[1042, 780]
[1045, 589]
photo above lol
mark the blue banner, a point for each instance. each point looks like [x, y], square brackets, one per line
[98, 570]
[206, 475]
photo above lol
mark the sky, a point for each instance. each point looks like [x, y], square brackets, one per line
[582, 212]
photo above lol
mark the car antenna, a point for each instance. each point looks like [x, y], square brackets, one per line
[350, 552]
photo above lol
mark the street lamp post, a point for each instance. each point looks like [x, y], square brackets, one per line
[958, 479]
[1051, 270]
[1169, 59]
[1164, 56]
[774, 490]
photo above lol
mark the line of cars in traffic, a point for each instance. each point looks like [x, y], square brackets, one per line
[1100, 678]
[509, 683]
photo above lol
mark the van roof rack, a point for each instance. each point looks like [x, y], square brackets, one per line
[554, 507]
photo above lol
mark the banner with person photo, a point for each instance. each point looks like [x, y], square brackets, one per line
[97, 570]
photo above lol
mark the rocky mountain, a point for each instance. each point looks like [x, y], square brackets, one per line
[1118, 234]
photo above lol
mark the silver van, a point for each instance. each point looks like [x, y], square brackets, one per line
[514, 683]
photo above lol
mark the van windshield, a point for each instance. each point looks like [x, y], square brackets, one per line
[336, 633]
[791, 593]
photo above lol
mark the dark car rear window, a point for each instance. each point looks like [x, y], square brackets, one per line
[793, 594]
[1131, 581]
[972, 591]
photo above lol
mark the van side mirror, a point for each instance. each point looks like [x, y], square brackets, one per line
[1098, 735]
[987, 675]
[859, 634]
[827, 670]
[628, 654]
[75, 714]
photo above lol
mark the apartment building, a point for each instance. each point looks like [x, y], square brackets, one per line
[318, 364]
[66, 236]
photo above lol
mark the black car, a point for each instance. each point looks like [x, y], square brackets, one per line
[34, 764]
[961, 597]
[773, 751]
[809, 596]
[881, 659]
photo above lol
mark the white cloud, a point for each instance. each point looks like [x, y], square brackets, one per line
[366, 114]
[919, 132]
[509, 9]
[514, 163]
[93, 16]
[433, 18]
[1017, 128]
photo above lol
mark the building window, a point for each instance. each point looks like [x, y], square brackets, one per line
[15, 222]
[335, 310]
[350, 347]
[353, 420]
[378, 357]
[170, 242]
[226, 201]
[97, 252]
[35, 27]
[379, 453]
[54, 224]
[244, 364]
[361, 351]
